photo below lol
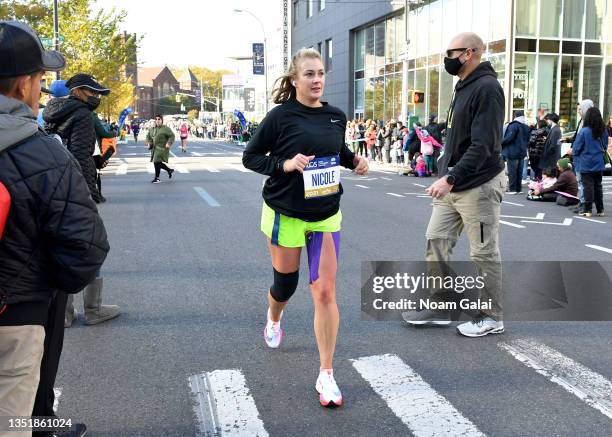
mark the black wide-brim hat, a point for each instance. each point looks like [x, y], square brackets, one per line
[82, 80]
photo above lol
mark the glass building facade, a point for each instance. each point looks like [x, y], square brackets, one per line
[549, 54]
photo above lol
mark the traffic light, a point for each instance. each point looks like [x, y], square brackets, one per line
[417, 97]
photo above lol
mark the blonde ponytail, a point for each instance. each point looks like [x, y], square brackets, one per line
[283, 89]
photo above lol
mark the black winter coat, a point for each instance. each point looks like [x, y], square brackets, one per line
[72, 120]
[54, 238]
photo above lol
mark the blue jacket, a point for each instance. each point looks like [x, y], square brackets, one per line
[516, 140]
[587, 151]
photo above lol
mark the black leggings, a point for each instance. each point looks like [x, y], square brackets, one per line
[593, 191]
[159, 166]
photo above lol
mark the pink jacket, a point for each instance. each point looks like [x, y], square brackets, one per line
[427, 142]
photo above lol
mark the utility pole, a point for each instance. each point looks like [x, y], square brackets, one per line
[405, 66]
[56, 31]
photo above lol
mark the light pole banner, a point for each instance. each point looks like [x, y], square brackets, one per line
[249, 99]
[258, 58]
[123, 115]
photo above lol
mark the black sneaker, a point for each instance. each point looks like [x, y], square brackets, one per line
[427, 318]
[77, 430]
[170, 172]
[156, 181]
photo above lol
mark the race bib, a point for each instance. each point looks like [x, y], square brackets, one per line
[322, 177]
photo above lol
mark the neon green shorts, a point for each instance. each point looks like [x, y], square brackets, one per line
[291, 232]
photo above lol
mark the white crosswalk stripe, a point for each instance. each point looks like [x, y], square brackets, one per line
[590, 386]
[224, 405]
[414, 401]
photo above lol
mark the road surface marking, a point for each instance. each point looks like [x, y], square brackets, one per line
[122, 169]
[512, 203]
[207, 197]
[172, 153]
[396, 195]
[196, 153]
[181, 168]
[589, 219]
[590, 386]
[58, 393]
[224, 405]
[210, 169]
[603, 249]
[539, 216]
[425, 196]
[514, 225]
[415, 194]
[414, 401]
[150, 168]
[386, 179]
[565, 222]
[362, 186]
[419, 185]
[238, 167]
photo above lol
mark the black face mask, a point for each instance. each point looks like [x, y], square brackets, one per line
[93, 102]
[452, 65]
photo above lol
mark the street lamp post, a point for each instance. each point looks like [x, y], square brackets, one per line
[263, 30]
[56, 32]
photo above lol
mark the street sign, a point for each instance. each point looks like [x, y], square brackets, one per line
[258, 58]
[49, 43]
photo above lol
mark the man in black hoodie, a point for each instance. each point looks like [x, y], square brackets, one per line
[469, 192]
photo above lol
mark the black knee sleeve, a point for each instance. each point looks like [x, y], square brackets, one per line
[284, 285]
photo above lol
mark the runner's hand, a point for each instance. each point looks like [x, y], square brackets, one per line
[168, 146]
[439, 188]
[361, 165]
[298, 162]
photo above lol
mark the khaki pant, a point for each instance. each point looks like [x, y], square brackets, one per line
[21, 350]
[477, 211]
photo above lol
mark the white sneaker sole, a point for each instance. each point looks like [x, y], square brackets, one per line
[280, 340]
[482, 334]
[429, 322]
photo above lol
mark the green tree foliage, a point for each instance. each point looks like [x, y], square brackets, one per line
[211, 83]
[93, 43]
[193, 114]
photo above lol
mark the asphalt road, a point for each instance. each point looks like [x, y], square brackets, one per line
[191, 279]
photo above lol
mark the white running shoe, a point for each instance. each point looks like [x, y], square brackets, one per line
[273, 334]
[480, 327]
[329, 393]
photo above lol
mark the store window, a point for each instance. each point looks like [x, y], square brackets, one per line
[547, 83]
[591, 79]
[369, 51]
[432, 99]
[389, 91]
[419, 85]
[572, 19]
[328, 54]
[550, 17]
[607, 106]
[379, 98]
[379, 43]
[570, 77]
[446, 94]
[595, 12]
[397, 94]
[368, 107]
[359, 49]
[526, 15]
[523, 88]
[390, 41]
[359, 95]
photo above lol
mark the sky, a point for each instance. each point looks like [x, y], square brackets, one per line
[194, 32]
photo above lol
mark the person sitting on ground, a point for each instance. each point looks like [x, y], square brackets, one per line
[549, 177]
[420, 169]
[564, 191]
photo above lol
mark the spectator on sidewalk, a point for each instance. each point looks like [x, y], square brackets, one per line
[514, 151]
[54, 240]
[552, 149]
[588, 149]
